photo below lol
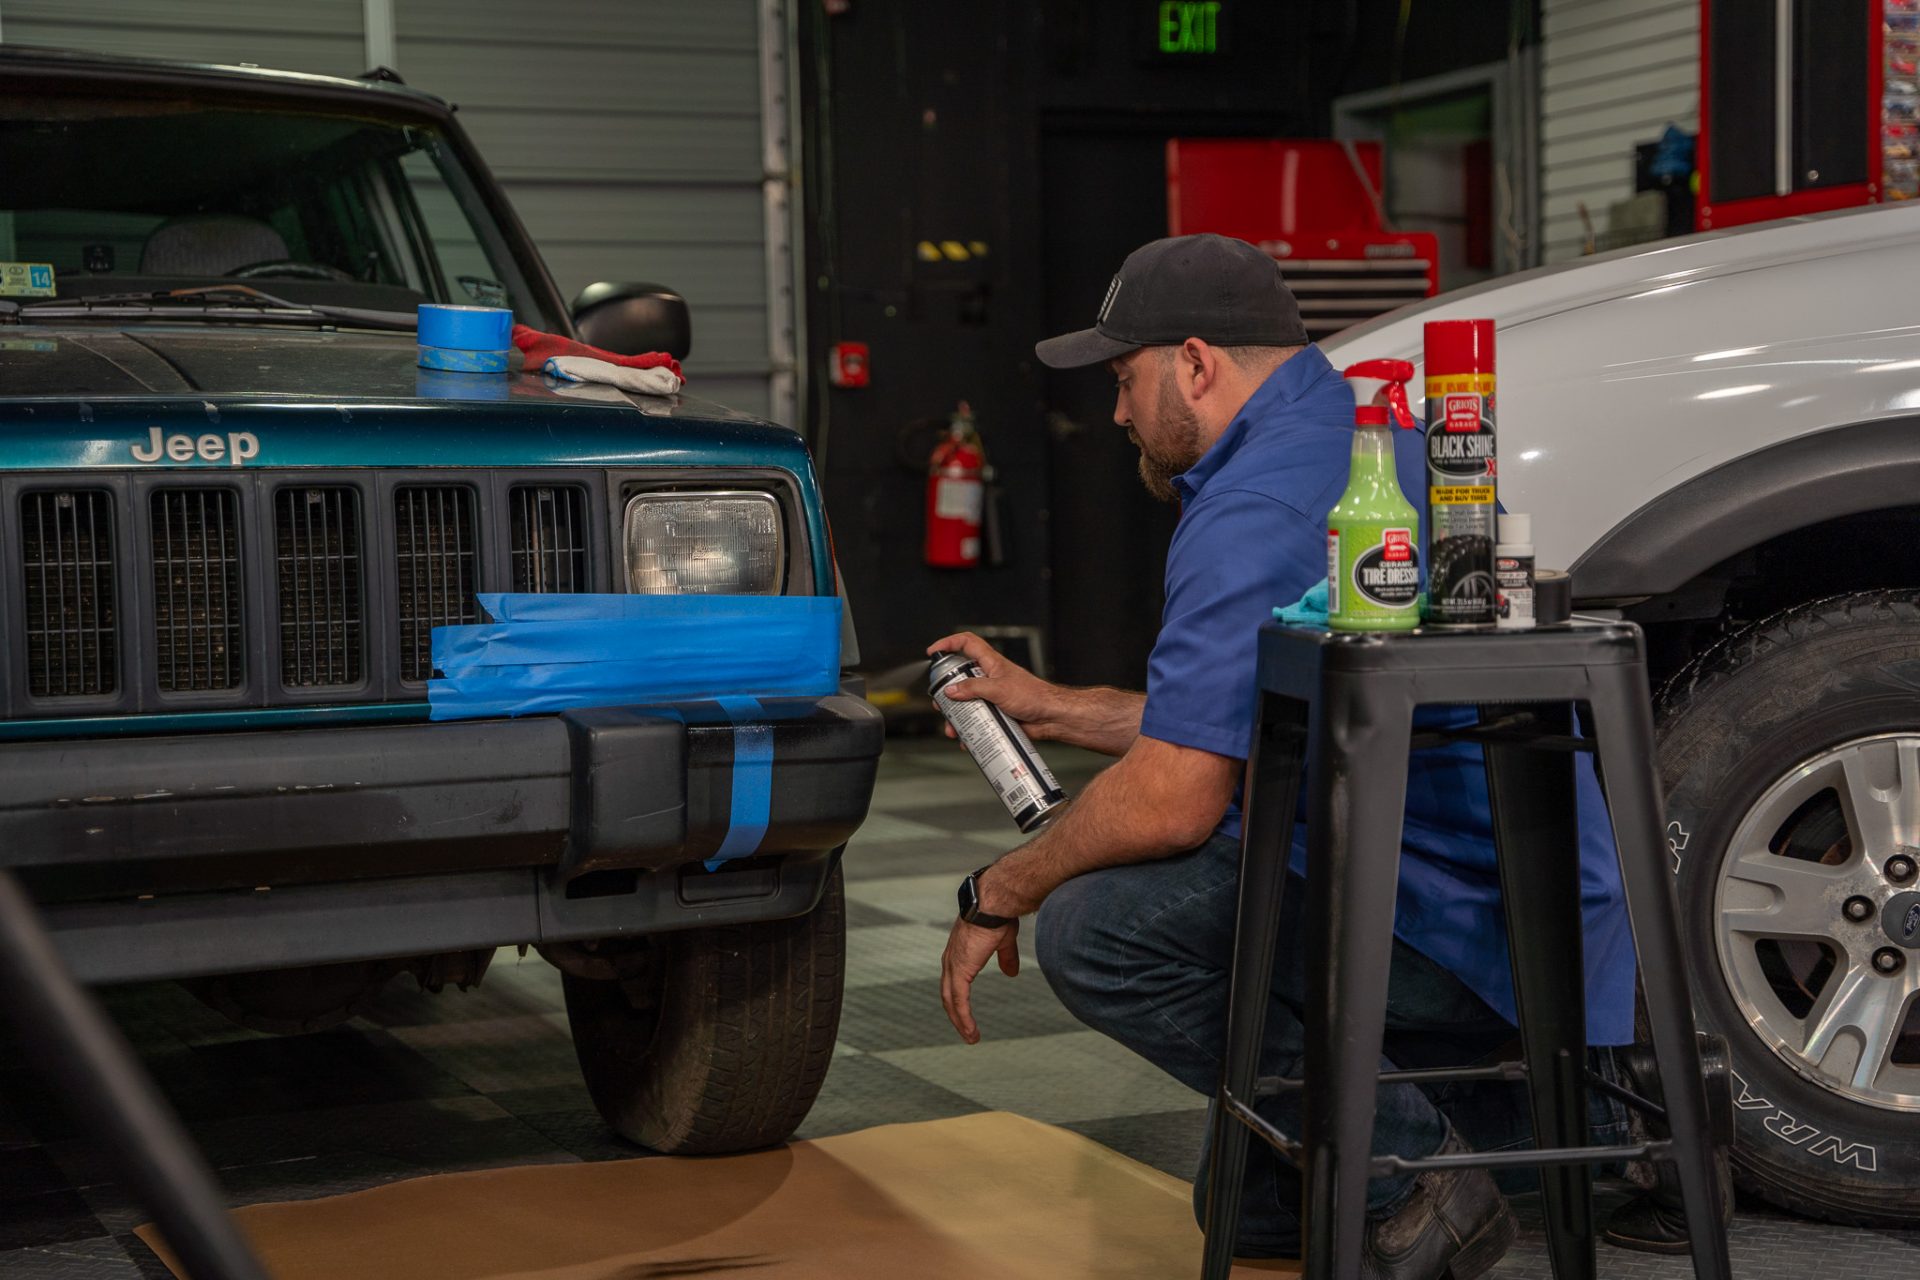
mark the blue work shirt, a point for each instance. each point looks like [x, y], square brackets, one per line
[1252, 535]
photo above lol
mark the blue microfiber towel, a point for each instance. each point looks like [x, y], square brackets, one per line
[1310, 610]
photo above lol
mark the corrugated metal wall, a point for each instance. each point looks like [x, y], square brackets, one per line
[324, 36]
[1614, 73]
[627, 132]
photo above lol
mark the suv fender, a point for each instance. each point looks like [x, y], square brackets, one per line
[1842, 471]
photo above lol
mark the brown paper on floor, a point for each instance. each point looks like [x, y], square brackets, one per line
[982, 1195]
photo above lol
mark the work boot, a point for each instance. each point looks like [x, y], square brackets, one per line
[1655, 1221]
[1456, 1227]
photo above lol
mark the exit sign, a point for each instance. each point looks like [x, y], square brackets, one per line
[1185, 30]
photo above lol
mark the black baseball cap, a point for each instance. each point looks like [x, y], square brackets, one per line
[1214, 288]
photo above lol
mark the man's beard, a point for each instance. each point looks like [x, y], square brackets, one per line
[1159, 465]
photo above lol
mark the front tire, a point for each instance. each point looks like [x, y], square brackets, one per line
[1791, 757]
[719, 1039]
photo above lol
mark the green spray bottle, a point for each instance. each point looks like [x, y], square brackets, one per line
[1373, 532]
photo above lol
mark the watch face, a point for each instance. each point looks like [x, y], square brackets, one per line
[969, 897]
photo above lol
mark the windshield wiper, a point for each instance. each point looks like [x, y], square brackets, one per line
[216, 302]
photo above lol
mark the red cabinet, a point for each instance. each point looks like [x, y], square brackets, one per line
[1805, 105]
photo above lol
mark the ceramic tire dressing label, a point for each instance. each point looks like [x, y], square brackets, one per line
[1462, 471]
[1373, 532]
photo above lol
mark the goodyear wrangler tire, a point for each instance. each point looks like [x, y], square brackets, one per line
[1791, 757]
[721, 1040]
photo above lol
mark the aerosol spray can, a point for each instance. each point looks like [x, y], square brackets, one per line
[1461, 472]
[998, 745]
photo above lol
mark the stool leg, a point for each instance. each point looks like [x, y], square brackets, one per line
[1538, 840]
[1623, 724]
[1362, 727]
[1266, 840]
[78, 1051]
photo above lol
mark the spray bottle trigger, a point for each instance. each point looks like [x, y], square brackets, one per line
[1395, 374]
[1397, 401]
[1384, 370]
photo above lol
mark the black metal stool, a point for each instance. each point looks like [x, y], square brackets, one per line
[1346, 703]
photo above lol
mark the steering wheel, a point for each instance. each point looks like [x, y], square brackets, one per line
[288, 268]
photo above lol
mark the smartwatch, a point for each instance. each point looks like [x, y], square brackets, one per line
[970, 904]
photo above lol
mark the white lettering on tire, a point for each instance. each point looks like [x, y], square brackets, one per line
[1677, 838]
[1860, 1155]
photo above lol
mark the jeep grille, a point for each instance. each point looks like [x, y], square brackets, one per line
[134, 592]
[66, 560]
[436, 545]
[198, 628]
[320, 586]
[549, 538]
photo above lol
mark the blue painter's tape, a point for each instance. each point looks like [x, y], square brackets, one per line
[752, 781]
[459, 360]
[546, 653]
[464, 328]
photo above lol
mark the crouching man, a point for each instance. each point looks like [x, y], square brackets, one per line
[1248, 427]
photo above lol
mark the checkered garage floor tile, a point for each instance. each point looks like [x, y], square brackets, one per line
[423, 1084]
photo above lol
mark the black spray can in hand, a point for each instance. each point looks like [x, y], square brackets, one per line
[998, 745]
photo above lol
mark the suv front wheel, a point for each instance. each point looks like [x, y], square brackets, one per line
[715, 1040]
[1791, 756]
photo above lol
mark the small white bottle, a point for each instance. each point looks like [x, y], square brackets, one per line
[1513, 572]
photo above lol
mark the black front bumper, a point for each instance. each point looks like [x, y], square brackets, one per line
[169, 856]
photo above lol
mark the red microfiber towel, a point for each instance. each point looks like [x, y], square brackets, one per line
[539, 347]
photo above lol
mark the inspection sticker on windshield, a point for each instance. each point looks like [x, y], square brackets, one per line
[26, 280]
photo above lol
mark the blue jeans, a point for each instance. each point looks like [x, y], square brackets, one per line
[1140, 953]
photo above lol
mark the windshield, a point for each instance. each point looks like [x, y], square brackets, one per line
[119, 196]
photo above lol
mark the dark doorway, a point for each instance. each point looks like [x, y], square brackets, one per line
[1103, 194]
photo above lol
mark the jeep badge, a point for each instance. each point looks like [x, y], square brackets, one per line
[234, 448]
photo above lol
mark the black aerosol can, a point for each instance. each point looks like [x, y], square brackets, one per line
[1461, 470]
[998, 745]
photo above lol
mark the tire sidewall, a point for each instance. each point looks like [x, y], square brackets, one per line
[1720, 750]
[688, 1074]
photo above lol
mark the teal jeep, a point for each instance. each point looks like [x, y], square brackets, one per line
[233, 512]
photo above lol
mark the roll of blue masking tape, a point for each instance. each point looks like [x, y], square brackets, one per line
[454, 360]
[462, 328]
[442, 384]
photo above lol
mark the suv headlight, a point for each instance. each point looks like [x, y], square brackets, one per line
[705, 544]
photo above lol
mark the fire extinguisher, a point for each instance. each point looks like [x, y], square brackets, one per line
[956, 495]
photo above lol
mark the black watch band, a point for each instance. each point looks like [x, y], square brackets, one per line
[970, 904]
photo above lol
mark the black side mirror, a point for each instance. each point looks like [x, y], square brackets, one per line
[629, 319]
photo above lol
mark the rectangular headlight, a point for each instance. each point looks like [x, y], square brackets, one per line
[705, 544]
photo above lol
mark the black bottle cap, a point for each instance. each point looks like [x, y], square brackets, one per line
[1552, 597]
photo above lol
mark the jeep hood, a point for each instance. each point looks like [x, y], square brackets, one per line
[88, 361]
[93, 396]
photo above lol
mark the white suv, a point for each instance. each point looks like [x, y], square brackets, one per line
[1720, 437]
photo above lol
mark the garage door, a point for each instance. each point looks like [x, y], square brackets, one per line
[628, 133]
[1614, 73]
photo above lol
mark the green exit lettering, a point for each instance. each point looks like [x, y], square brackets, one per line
[1189, 26]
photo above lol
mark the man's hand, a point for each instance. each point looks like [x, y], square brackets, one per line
[1035, 703]
[968, 948]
